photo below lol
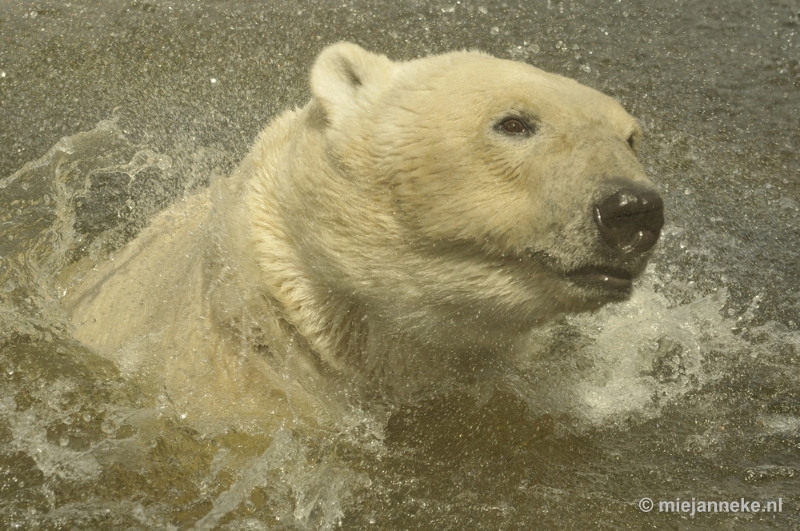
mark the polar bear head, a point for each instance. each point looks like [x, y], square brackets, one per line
[465, 198]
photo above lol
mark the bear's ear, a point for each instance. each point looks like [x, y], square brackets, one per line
[345, 75]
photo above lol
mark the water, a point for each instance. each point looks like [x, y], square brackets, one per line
[689, 390]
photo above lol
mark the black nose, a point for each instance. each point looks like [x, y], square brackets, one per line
[630, 219]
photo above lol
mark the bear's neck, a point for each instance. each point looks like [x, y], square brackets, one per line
[293, 266]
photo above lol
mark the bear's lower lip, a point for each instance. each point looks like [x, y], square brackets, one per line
[618, 282]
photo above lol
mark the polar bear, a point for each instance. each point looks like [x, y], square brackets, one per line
[414, 221]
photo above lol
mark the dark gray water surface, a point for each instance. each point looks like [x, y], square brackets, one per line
[690, 390]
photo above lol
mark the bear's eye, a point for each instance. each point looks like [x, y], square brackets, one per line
[514, 126]
[631, 141]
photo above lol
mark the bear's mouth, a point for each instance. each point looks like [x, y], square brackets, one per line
[605, 283]
[615, 282]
